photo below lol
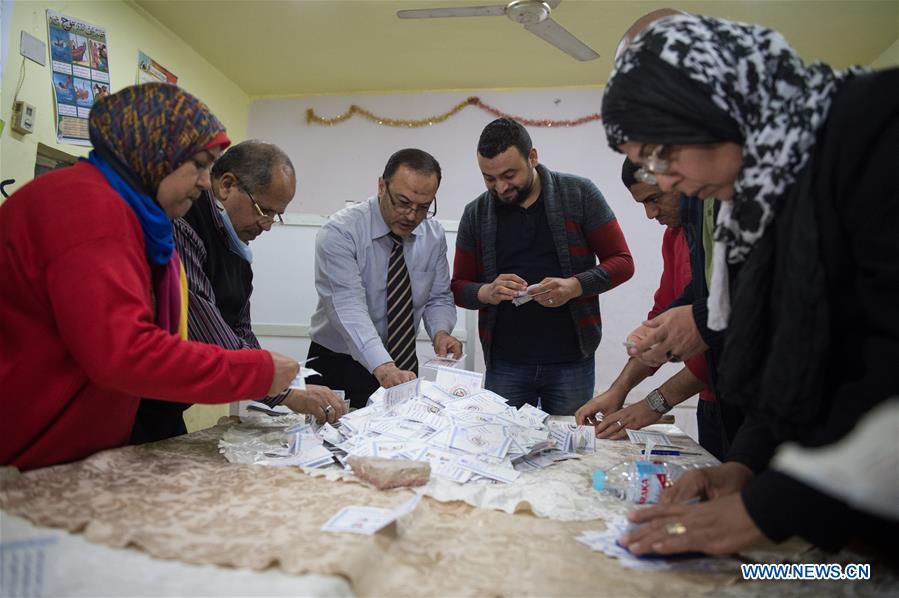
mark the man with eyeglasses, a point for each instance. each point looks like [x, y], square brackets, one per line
[380, 269]
[252, 184]
[536, 235]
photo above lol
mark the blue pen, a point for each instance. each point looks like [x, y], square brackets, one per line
[668, 453]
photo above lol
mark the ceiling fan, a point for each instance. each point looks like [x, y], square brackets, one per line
[533, 14]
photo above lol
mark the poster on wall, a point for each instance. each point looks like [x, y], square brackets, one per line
[150, 71]
[80, 61]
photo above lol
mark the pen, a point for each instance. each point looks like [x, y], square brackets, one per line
[669, 453]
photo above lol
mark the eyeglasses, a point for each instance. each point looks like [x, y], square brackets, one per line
[266, 216]
[407, 207]
[655, 163]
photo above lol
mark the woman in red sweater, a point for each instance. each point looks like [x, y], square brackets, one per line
[93, 306]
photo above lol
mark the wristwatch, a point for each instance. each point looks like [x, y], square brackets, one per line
[657, 402]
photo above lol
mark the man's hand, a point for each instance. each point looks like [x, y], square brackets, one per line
[633, 417]
[505, 287]
[670, 336]
[389, 375]
[286, 369]
[315, 401]
[708, 483]
[606, 402]
[556, 292]
[720, 526]
[445, 343]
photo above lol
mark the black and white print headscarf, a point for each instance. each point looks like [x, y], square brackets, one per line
[692, 79]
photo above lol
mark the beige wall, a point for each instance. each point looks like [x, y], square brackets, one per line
[889, 58]
[128, 29]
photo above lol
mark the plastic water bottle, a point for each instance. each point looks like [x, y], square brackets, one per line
[638, 482]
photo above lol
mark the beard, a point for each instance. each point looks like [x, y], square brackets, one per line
[521, 193]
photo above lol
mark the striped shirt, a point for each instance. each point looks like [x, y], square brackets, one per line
[205, 321]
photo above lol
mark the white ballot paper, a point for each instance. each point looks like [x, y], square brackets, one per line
[368, 520]
[459, 383]
[649, 438]
[395, 395]
[299, 382]
[448, 361]
[525, 297]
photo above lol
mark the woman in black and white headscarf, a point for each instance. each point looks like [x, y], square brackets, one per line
[804, 305]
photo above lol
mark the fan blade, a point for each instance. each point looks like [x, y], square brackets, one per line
[553, 3]
[496, 10]
[561, 38]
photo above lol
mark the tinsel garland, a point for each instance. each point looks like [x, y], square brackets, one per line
[312, 117]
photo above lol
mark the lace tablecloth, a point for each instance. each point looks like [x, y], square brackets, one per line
[180, 499]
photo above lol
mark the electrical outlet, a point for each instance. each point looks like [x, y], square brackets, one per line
[22, 118]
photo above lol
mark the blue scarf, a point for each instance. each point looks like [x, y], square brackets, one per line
[159, 243]
[234, 243]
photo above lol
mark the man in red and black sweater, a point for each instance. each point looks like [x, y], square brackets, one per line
[545, 230]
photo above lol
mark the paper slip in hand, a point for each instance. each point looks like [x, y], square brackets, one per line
[648, 437]
[459, 383]
[522, 299]
[448, 361]
[299, 383]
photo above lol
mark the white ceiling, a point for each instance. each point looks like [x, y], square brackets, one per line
[345, 46]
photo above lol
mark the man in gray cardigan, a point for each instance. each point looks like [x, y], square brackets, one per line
[536, 235]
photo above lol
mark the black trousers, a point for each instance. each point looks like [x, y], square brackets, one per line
[341, 372]
[158, 420]
[718, 423]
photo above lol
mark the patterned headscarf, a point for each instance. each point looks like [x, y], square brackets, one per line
[151, 129]
[692, 79]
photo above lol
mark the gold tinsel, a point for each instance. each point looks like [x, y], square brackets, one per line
[312, 117]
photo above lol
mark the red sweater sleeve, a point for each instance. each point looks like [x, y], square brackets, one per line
[99, 296]
[608, 243]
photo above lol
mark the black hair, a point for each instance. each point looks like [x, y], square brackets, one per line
[252, 162]
[415, 159]
[628, 173]
[502, 134]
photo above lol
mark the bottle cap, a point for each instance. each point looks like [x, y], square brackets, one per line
[599, 480]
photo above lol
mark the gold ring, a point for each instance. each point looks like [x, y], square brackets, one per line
[676, 529]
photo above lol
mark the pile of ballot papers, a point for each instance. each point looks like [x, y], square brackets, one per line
[466, 433]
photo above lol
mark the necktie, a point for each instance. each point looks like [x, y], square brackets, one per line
[400, 330]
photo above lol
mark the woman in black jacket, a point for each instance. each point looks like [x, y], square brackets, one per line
[804, 303]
